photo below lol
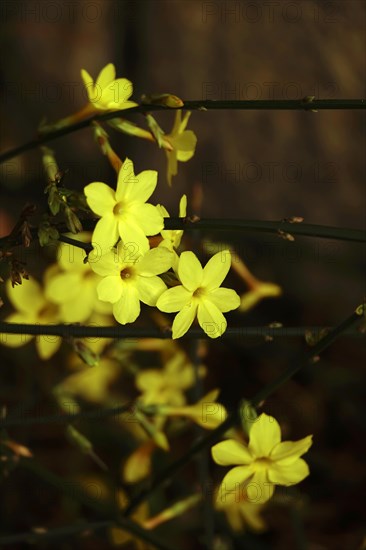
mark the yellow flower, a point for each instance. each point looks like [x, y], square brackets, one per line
[258, 292]
[265, 462]
[91, 384]
[130, 278]
[108, 93]
[74, 286]
[138, 464]
[32, 308]
[206, 412]
[124, 213]
[166, 386]
[183, 143]
[200, 294]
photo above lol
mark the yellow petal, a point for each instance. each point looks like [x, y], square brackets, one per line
[216, 270]
[148, 217]
[183, 206]
[89, 84]
[47, 346]
[225, 299]
[288, 474]
[116, 94]
[183, 320]
[135, 188]
[177, 123]
[183, 156]
[174, 299]
[184, 122]
[63, 287]
[190, 270]
[100, 198]
[106, 76]
[150, 289]
[105, 264]
[110, 289]
[264, 435]
[211, 319]
[71, 258]
[127, 309]
[27, 297]
[229, 452]
[132, 235]
[105, 234]
[260, 488]
[289, 451]
[185, 142]
[149, 380]
[155, 262]
[172, 166]
[78, 311]
[232, 488]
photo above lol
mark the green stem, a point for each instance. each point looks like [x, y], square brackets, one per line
[299, 362]
[200, 105]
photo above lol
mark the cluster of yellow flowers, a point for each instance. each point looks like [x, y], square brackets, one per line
[131, 269]
[135, 260]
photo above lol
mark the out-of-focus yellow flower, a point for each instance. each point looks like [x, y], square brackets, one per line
[200, 294]
[264, 463]
[243, 515]
[207, 413]
[124, 213]
[33, 308]
[175, 510]
[166, 385]
[183, 143]
[138, 464]
[108, 93]
[258, 290]
[74, 286]
[131, 278]
[92, 384]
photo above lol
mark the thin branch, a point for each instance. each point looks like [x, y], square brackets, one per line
[304, 229]
[66, 418]
[84, 528]
[188, 224]
[306, 104]
[121, 332]
[303, 360]
[105, 510]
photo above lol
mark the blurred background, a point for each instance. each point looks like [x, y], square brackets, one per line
[263, 165]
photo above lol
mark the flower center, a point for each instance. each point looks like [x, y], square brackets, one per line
[118, 209]
[199, 293]
[48, 311]
[126, 274]
[262, 463]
